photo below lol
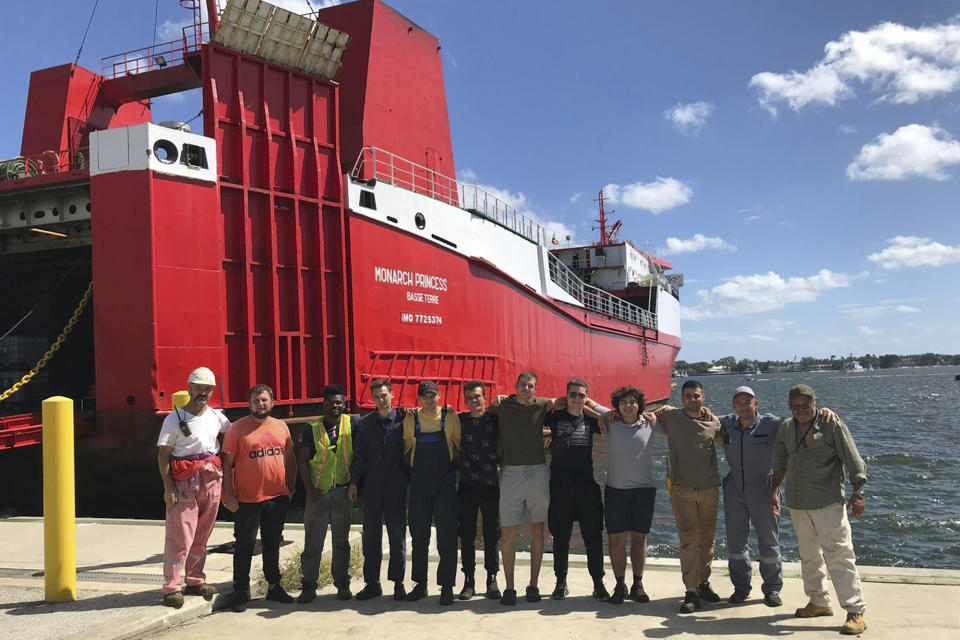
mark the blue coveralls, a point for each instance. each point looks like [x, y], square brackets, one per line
[378, 468]
[433, 497]
[746, 499]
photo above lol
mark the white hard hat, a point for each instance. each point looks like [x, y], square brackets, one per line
[202, 375]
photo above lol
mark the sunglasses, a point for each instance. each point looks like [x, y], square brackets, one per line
[576, 394]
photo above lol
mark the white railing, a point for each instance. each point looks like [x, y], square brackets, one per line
[597, 299]
[375, 163]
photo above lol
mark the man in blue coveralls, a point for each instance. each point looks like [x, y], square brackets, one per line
[378, 467]
[748, 441]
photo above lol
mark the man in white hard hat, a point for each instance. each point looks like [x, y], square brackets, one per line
[191, 473]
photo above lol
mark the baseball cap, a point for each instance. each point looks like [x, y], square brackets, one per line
[202, 375]
[744, 389]
[428, 386]
[801, 390]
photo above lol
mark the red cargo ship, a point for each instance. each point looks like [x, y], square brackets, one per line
[313, 234]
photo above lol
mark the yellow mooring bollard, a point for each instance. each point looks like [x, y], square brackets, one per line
[181, 399]
[59, 502]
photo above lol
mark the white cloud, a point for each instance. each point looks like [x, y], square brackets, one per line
[877, 310]
[914, 251]
[466, 175]
[575, 197]
[867, 331]
[847, 129]
[741, 295]
[902, 64]
[772, 324]
[912, 150]
[698, 242]
[655, 197]
[689, 118]
[757, 336]
[170, 30]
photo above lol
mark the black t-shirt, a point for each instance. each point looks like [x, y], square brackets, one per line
[478, 450]
[572, 445]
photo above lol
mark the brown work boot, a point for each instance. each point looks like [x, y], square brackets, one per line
[174, 600]
[207, 591]
[855, 625]
[813, 611]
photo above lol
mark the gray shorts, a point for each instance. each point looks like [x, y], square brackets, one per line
[524, 494]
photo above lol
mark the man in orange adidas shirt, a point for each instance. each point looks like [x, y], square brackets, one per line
[259, 470]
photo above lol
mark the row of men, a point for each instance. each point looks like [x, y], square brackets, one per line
[403, 463]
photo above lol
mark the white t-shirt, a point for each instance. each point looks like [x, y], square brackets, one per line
[203, 432]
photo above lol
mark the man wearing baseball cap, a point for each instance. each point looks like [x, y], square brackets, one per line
[191, 474]
[748, 438]
[811, 455]
[431, 437]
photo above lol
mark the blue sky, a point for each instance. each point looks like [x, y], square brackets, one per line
[798, 162]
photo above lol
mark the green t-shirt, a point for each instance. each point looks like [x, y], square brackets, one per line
[521, 431]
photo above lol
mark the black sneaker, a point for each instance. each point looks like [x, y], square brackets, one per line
[446, 596]
[418, 592]
[561, 591]
[772, 599]
[637, 594]
[173, 599]
[468, 588]
[509, 597]
[619, 594]
[691, 602]
[493, 591]
[533, 594]
[344, 593]
[739, 597]
[277, 593]
[600, 592]
[707, 593]
[371, 590]
[239, 600]
[307, 595]
[399, 591]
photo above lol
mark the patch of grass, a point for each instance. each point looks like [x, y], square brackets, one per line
[290, 575]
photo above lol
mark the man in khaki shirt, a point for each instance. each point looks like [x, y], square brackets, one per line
[694, 484]
[812, 456]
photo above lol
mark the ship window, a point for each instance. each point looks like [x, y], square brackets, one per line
[72, 209]
[193, 155]
[165, 151]
[598, 251]
[420, 220]
[368, 200]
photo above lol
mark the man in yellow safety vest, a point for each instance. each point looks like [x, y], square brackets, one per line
[324, 455]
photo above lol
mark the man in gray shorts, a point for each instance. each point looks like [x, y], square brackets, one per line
[525, 485]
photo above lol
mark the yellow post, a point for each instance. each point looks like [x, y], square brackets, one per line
[180, 399]
[59, 502]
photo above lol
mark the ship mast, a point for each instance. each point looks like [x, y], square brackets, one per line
[606, 237]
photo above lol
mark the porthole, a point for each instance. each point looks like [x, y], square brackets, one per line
[165, 151]
[420, 221]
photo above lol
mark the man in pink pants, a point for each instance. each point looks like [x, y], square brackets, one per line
[191, 473]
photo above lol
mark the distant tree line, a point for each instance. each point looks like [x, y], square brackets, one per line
[807, 363]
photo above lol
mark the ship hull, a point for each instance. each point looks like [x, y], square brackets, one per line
[422, 311]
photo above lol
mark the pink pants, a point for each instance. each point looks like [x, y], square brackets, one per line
[189, 524]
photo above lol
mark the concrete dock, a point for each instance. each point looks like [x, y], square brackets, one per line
[120, 569]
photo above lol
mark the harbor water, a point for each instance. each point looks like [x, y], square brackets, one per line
[906, 423]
